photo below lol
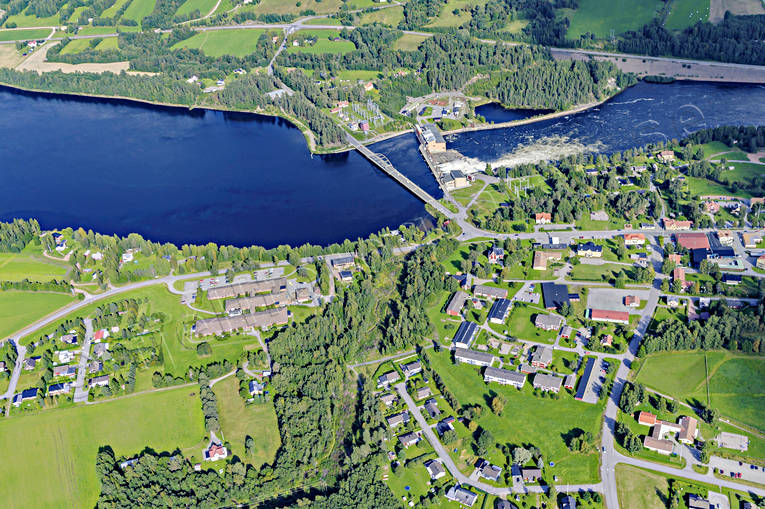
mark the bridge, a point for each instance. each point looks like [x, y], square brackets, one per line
[385, 165]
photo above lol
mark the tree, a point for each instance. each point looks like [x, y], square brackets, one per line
[498, 403]
[521, 456]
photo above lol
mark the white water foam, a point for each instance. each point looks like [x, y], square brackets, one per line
[545, 149]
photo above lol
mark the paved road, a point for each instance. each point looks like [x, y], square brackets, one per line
[80, 388]
[21, 351]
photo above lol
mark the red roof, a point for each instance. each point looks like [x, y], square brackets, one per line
[631, 299]
[646, 418]
[678, 274]
[543, 215]
[693, 240]
[605, 314]
[99, 334]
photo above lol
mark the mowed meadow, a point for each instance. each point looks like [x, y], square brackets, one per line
[54, 452]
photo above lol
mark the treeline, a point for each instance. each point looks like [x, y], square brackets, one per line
[209, 405]
[543, 26]
[749, 138]
[727, 328]
[15, 236]
[739, 39]
[418, 13]
[37, 286]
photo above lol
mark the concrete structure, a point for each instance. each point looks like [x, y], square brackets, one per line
[504, 377]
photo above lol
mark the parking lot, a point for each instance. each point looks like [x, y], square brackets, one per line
[748, 472]
[612, 299]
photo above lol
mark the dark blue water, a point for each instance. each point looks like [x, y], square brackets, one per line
[192, 177]
[495, 113]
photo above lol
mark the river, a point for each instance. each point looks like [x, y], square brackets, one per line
[197, 176]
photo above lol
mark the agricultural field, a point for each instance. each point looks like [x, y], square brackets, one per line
[18, 35]
[324, 42]
[107, 44]
[599, 17]
[18, 309]
[19, 266]
[409, 42]
[139, 9]
[318, 6]
[99, 30]
[24, 20]
[447, 17]
[700, 187]
[238, 420]
[223, 42]
[203, 6]
[76, 46]
[391, 16]
[112, 11]
[561, 417]
[60, 446]
[636, 487]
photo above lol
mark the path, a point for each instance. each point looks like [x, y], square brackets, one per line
[80, 389]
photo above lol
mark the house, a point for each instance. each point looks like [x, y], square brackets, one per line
[31, 362]
[566, 332]
[678, 274]
[673, 301]
[666, 156]
[600, 215]
[95, 367]
[554, 295]
[634, 239]
[688, 430]
[396, 420]
[473, 357]
[692, 240]
[646, 418]
[604, 315]
[222, 324]
[431, 406]
[488, 471]
[589, 250]
[461, 279]
[99, 381]
[760, 264]
[56, 389]
[496, 254]
[461, 495]
[100, 349]
[569, 382]
[465, 334]
[543, 218]
[215, 452]
[711, 207]
[69, 339]
[490, 292]
[607, 340]
[25, 395]
[587, 391]
[444, 425]
[256, 387]
[675, 258]
[127, 256]
[542, 357]
[673, 224]
[568, 502]
[66, 355]
[454, 308]
[632, 301]
[386, 379]
[65, 370]
[698, 502]
[527, 369]
[541, 258]
[499, 311]
[411, 368]
[548, 322]
[422, 392]
[531, 474]
[664, 447]
[504, 377]
[725, 237]
[750, 240]
[100, 335]
[435, 469]
[389, 399]
[2, 366]
[344, 262]
[547, 382]
[408, 439]
[732, 279]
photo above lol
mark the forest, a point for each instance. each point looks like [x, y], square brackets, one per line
[15, 236]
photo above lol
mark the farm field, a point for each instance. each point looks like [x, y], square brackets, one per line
[98, 30]
[139, 9]
[17, 35]
[599, 17]
[561, 417]
[699, 186]
[685, 13]
[447, 18]
[636, 487]
[390, 16]
[60, 446]
[76, 46]
[223, 42]
[19, 266]
[108, 43]
[18, 309]
[409, 42]
[323, 44]
[239, 420]
[24, 20]
[112, 11]
[318, 6]
[203, 6]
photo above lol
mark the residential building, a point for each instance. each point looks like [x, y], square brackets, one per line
[31, 362]
[750, 240]
[732, 279]
[673, 301]
[632, 301]
[712, 207]
[543, 218]
[444, 425]
[589, 250]
[554, 295]
[461, 495]
[56, 389]
[531, 474]
[666, 156]
[254, 303]
[725, 237]
[547, 382]
[568, 502]
[496, 254]
[69, 339]
[673, 224]
[490, 292]
[396, 420]
[215, 452]
[65, 370]
[695, 240]
[422, 392]
[634, 239]
[541, 258]
[473, 357]
[256, 387]
[504, 377]
[661, 446]
[646, 418]
[411, 368]
[98, 381]
[607, 340]
[247, 288]
[566, 331]
[388, 399]
[587, 390]
[688, 429]
[499, 311]
[435, 469]
[487, 470]
[388, 378]
[465, 334]
[408, 439]
[454, 308]
[698, 502]
[761, 262]
[25, 395]
[675, 258]
[431, 407]
[604, 315]
[548, 322]
[542, 357]
[100, 350]
[226, 324]
[569, 382]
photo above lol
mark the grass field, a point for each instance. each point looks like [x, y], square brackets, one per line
[447, 17]
[636, 487]
[139, 9]
[409, 42]
[521, 325]
[97, 30]
[323, 44]
[685, 13]
[203, 6]
[318, 6]
[561, 416]
[17, 35]
[18, 309]
[23, 20]
[76, 46]
[700, 187]
[223, 42]
[599, 17]
[239, 420]
[60, 446]
[357, 74]
[19, 266]
[391, 16]
[583, 272]
[111, 11]
[107, 43]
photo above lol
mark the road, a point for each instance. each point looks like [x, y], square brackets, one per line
[80, 388]
[21, 351]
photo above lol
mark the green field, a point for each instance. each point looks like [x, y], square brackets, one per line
[685, 13]
[97, 30]
[59, 446]
[239, 420]
[701, 187]
[76, 46]
[409, 42]
[518, 424]
[636, 487]
[583, 272]
[223, 42]
[323, 44]
[18, 309]
[24, 20]
[391, 16]
[19, 35]
[521, 325]
[19, 266]
[318, 6]
[107, 43]
[599, 17]
[447, 17]
[139, 9]
[112, 11]
[203, 6]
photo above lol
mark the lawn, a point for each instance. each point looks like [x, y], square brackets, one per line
[677, 374]
[60, 446]
[599, 17]
[203, 6]
[685, 13]
[215, 43]
[19, 266]
[464, 195]
[605, 272]
[560, 417]
[409, 42]
[18, 35]
[18, 309]
[139, 9]
[714, 147]
[324, 43]
[636, 487]
[521, 325]
[701, 187]
[238, 420]
[390, 16]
